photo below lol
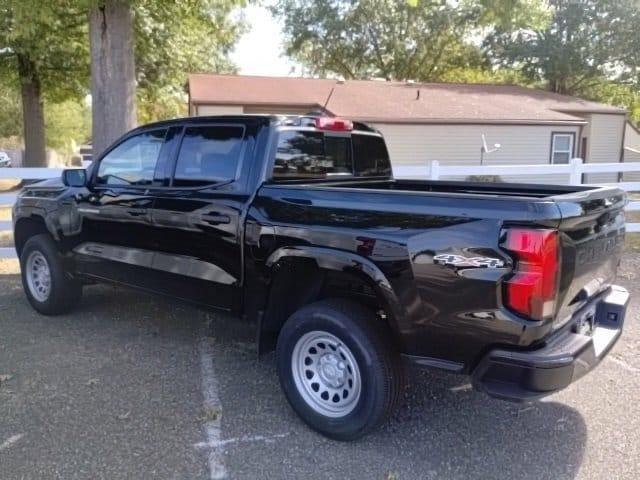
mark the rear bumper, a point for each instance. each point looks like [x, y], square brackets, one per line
[529, 375]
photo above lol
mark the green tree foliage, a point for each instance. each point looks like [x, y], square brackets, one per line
[169, 39]
[626, 95]
[509, 15]
[67, 124]
[377, 38]
[45, 45]
[584, 42]
[391, 39]
[503, 76]
[43, 48]
[176, 38]
[10, 106]
[51, 35]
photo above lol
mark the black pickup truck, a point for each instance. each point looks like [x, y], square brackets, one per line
[297, 224]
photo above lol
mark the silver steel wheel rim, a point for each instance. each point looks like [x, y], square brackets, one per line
[326, 374]
[38, 276]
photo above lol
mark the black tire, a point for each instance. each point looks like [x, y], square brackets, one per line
[368, 339]
[65, 292]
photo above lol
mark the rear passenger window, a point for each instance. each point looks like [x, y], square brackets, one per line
[133, 162]
[370, 156]
[303, 154]
[208, 154]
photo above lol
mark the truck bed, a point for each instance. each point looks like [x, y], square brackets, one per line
[454, 187]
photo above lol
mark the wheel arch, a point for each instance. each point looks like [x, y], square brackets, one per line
[303, 274]
[27, 227]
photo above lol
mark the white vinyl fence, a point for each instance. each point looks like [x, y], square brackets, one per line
[573, 170]
[432, 171]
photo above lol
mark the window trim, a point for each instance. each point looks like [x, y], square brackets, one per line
[93, 182]
[553, 151]
[173, 163]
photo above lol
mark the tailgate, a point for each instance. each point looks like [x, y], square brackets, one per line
[592, 238]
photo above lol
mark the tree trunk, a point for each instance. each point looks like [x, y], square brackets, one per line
[113, 82]
[35, 154]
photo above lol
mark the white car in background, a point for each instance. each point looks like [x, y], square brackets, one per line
[5, 161]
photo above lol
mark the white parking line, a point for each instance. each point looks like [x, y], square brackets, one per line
[10, 441]
[213, 408]
[245, 439]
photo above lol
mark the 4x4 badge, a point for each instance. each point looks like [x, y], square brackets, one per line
[460, 261]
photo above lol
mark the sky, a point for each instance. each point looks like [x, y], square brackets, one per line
[260, 51]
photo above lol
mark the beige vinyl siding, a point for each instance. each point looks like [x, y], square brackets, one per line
[218, 110]
[460, 145]
[631, 155]
[631, 137]
[604, 143]
[631, 151]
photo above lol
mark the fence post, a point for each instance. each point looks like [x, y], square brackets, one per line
[575, 177]
[434, 172]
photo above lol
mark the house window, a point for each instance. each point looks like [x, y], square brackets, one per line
[561, 147]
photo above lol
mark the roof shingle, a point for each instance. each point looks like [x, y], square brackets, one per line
[380, 101]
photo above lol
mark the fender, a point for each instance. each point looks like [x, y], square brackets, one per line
[39, 214]
[339, 260]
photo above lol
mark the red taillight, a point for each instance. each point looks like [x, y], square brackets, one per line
[533, 288]
[334, 124]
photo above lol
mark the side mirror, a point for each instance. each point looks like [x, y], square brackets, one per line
[74, 177]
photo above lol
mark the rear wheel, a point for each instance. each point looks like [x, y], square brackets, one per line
[49, 288]
[338, 368]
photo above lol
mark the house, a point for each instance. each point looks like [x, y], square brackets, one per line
[437, 121]
[631, 143]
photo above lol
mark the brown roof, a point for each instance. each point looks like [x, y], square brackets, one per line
[371, 100]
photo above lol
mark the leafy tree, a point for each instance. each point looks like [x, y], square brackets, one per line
[67, 124]
[152, 45]
[10, 106]
[43, 48]
[173, 39]
[485, 75]
[625, 95]
[584, 42]
[509, 15]
[376, 38]
[391, 39]
[140, 50]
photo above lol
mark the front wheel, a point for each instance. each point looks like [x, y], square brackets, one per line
[338, 368]
[49, 288]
